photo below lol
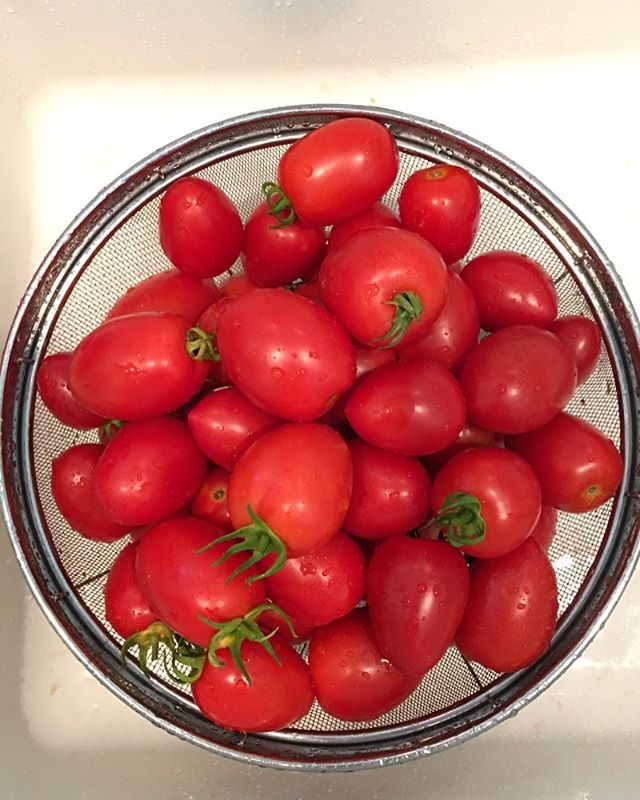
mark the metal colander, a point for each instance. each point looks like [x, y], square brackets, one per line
[114, 243]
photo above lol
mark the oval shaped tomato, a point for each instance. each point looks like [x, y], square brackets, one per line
[53, 385]
[210, 502]
[126, 608]
[511, 289]
[582, 336]
[391, 492]
[579, 468]
[353, 680]
[413, 407]
[517, 379]
[385, 285]
[417, 592]
[279, 693]
[378, 216]
[469, 436]
[545, 528]
[507, 490]
[442, 204]
[310, 289]
[200, 228]
[135, 367]
[236, 284]
[285, 353]
[151, 469]
[338, 170]
[453, 334]
[177, 577]
[511, 614]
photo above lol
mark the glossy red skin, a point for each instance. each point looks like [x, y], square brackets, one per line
[200, 228]
[235, 285]
[413, 407]
[338, 170]
[453, 334]
[278, 696]
[582, 336]
[285, 353]
[181, 583]
[508, 491]
[150, 470]
[210, 502]
[269, 620]
[359, 278]
[579, 468]
[417, 593]
[126, 608]
[53, 385]
[311, 290]
[298, 479]
[73, 489]
[274, 256]
[517, 379]
[469, 436]
[136, 367]
[391, 492]
[322, 585]
[545, 528]
[442, 204]
[512, 609]
[378, 216]
[171, 291]
[511, 289]
[353, 680]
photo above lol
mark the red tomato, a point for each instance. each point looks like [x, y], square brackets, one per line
[545, 528]
[310, 289]
[53, 385]
[469, 436]
[200, 228]
[517, 379]
[385, 285]
[208, 322]
[151, 469]
[579, 468]
[417, 592]
[126, 608]
[285, 353]
[279, 694]
[283, 476]
[390, 493]
[136, 367]
[353, 680]
[511, 289]
[338, 170]
[507, 490]
[442, 204]
[224, 423]
[511, 613]
[170, 291]
[321, 585]
[177, 577]
[453, 334]
[582, 337]
[236, 284]
[414, 407]
[73, 489]
[378, 216]
[369, 359]
[210, 502]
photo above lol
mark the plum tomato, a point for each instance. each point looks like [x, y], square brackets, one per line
[236, 284]
[378, 216]
[126, 608]
[582, 337]
[469, 436]
[53, 385]
[210, 502]
[545, 528]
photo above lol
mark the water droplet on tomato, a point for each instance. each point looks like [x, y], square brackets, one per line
[307, 170]
[276, 372]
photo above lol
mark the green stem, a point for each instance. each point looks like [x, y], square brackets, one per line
[461, 517]
[279, 205]
[109, 429]
[408, 308]
[200, 345]
[183, 660]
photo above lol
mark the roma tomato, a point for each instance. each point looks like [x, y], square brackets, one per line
[469, 436]
[512, 609]
[545, 528]
[417, 592]
[517, 379]
[136, 367]
[200, 228]
[151, 469]
[385, 285]
[353, 680]
[442, 204]
[582, 336]
[453, 334]
[338, 170]
[285, 353]
[511, 289]
[177, 577]
[378, 216]
[126, 608]
[236, 284]
[390, 493]
[278, 695]
[210, 502]
[579, 468]
[490, 491]
[413, 407]
[73, 489]
[53, 385]
[310, 289]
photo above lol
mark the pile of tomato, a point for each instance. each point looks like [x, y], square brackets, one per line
[323, 448]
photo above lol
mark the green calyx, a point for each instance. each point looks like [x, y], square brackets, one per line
[279, 205]
[183, 660]
[461, 518]
[408, 308]
[109, 429]
[200, 345]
